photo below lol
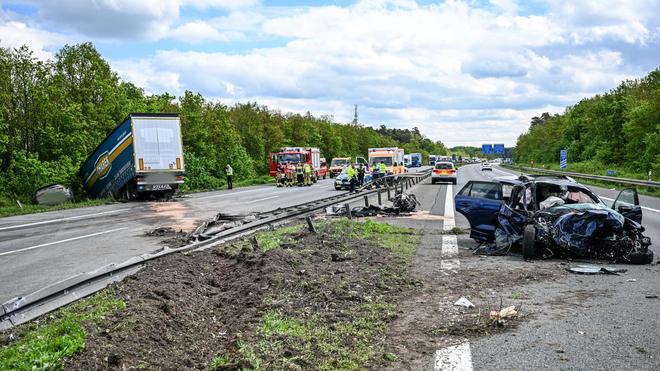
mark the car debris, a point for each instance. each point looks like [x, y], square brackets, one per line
[402, 203]
[548, 217]
[596, 269]
[53, 194]
[464, 302]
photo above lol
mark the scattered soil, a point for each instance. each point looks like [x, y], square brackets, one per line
[184, 310]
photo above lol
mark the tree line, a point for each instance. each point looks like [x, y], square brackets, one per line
[619, 129]
[54, 113]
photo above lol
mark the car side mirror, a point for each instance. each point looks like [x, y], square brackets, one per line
[625, 209]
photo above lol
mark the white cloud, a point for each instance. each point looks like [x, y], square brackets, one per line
[111, 19]
[43, 43]
[460, 72]
[222, 4]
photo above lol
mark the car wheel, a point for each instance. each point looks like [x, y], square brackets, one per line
[529, 242]
[432, 181]
[454, 181]
[641, 257]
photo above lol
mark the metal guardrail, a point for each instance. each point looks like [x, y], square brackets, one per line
[23, 309]
[602, 178]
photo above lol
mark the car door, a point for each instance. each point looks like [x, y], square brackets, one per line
[627, 204]
[480, 202]
[513, 216]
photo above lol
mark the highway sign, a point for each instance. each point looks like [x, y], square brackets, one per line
[498, 149]
[563, 159]
[486, 149]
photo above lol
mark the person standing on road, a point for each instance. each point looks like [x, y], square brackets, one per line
[300, 175]
[351, 176]
[382, 171]
[230, 176]
[360, 175]
[307, 168]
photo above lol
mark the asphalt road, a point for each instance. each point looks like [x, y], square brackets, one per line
[579, 322]
[37, 250]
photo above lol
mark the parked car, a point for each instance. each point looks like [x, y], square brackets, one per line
[554, 217]
[486, 166]
[443, 172]
[341, 180]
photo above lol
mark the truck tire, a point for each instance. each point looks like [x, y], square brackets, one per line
[641, 257]
[529, 242]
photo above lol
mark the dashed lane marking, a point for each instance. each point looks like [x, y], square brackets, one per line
[454, 358]
[458, 357]
[62, 241]
[261, 199]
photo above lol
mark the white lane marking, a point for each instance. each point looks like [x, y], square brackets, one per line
[226, 194]
[262, 199]
[454, 358]
[449, 222]
[449, 246]
[643, 207]
[61, 219]
[63, 241]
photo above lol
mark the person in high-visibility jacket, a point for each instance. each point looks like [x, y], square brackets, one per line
[307, 169]
[351, 176]
[300, 173]
[382, 172]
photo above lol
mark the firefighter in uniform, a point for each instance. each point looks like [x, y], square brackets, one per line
[300, 175]
[382, 172]
[307, 168]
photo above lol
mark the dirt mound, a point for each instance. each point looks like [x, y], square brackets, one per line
[183, 311]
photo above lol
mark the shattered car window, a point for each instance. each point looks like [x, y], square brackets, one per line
[486, 190]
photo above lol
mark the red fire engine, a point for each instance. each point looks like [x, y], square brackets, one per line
[303, 155]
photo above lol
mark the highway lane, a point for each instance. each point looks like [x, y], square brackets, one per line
[37, 250]
[576, 322]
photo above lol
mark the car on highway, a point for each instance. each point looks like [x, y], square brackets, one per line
[443, 172]
[341, 180]
[547, 216]
[486, 166]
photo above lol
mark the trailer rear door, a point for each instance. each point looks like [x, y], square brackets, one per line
[157, 144]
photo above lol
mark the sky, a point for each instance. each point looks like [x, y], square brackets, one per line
[464, 72]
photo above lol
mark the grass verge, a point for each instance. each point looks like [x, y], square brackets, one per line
[300, 339]
[44, 344]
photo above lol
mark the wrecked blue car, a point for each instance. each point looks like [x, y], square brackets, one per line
[548, 217]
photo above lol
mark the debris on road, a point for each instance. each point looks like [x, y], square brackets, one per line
[595, 269]
[464, 302]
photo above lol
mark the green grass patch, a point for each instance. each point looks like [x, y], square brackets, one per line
[9, 207]
[401, 241]
[348, 345]
[43, 344]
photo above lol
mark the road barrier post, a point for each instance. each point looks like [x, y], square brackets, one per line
[389, 195]
[348, 210]
[310, 225]
[380, 201]
[366, 201]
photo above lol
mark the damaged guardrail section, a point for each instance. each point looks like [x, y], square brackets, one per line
[217, 230]
[602, 178]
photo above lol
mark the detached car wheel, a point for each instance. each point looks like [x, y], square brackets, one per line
[529, 242]
[641, 257]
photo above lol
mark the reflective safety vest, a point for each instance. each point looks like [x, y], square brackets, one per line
[229, 170]
[299, 169]
[382, 168]
[350, 173]
[307, 168]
